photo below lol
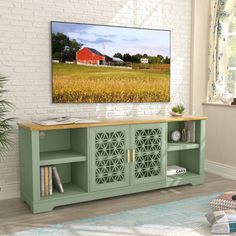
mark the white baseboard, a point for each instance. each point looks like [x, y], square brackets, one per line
[223, 170]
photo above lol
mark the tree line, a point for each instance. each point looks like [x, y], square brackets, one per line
[137, 57]
[64, 48]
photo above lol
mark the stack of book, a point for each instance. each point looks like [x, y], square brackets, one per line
[175, 170]
[49, 178]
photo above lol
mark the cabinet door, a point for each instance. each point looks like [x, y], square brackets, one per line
[148, 144]
[108, 157]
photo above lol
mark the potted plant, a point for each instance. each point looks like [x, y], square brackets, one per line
[177, 110]
[5, 121]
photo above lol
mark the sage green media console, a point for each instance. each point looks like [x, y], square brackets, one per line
[108, 158]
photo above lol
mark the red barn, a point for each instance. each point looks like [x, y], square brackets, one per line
[90, 56]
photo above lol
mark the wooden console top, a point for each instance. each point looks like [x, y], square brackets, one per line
[115, 121]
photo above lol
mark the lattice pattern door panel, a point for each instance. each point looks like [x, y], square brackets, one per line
[109, 157]
[148, 153]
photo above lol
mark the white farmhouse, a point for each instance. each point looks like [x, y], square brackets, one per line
[144, 60]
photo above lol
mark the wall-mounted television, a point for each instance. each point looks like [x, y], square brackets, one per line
[109, 64]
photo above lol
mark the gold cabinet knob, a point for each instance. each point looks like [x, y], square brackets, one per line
[128, 156]
[134, 155]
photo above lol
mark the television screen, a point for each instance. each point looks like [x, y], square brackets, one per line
[109, 64]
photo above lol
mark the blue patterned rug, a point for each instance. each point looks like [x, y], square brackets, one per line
[179, 218]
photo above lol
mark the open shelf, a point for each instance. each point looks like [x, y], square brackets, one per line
[188, 174]
[67, 150]
[60, 157]
[70, 190]
[181, 146]
[187, 159]
[72, 176]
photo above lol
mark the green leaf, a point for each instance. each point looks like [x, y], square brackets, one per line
[5, 121]
[178, 109]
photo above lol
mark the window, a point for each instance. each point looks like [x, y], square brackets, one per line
[231, 82]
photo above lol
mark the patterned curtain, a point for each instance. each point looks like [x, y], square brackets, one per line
[220, 15]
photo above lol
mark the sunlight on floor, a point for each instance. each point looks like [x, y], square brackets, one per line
[132, 231]
[89, 230]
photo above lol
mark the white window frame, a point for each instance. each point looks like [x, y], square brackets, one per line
[230, 34]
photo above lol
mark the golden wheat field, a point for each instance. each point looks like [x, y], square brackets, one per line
[87, 84]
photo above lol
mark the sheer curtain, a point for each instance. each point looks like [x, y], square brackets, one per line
[220, 15]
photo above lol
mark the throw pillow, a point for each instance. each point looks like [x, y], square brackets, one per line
[224, 202]
[222, 221]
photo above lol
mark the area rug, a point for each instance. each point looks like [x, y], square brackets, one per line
[179, 218]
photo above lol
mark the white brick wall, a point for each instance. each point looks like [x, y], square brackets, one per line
[25, 58]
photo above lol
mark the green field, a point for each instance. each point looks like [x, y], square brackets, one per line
[88, 84]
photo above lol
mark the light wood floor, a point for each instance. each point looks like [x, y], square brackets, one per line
[15, 216]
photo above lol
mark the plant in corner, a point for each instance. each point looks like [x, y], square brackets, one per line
[5, 121]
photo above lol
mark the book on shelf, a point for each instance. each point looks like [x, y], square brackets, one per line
[57, 180]
[190, 128]
[175, 170]
[42, 182]
[64, 120]
[46, 181]
[46, 188]
[50, 180]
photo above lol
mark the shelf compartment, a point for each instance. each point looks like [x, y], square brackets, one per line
[187, 159]
[70, 190]
[72, 177]
[60, 157]
[181, 146]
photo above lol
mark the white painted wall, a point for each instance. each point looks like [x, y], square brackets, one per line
[25, 58]
[220, 138]
[200, 41]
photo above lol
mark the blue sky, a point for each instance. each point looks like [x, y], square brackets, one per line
[110, 40]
